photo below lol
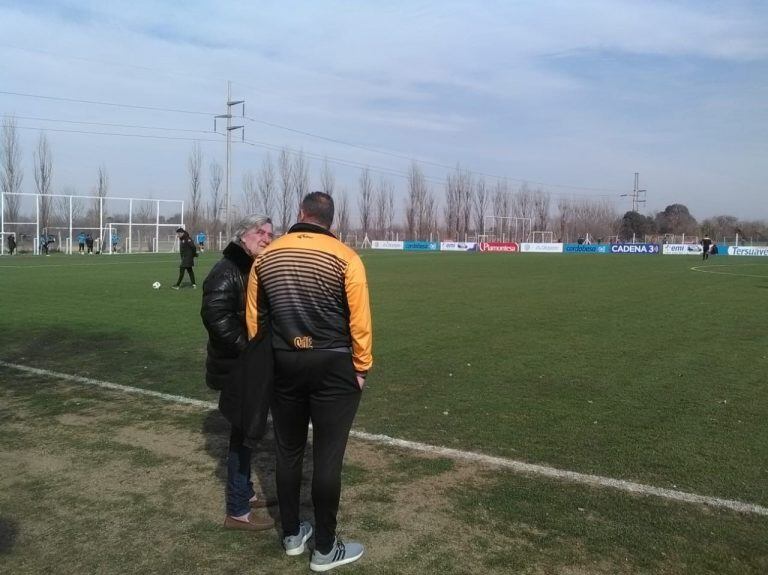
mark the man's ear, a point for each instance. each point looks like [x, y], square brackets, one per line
[301, 215]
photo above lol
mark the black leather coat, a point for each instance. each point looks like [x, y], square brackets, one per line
[223, 314]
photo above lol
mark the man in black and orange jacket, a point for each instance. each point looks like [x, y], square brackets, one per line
[311, 291]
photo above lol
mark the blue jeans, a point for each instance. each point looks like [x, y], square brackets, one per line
[239, 485]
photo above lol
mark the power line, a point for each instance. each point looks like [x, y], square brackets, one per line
[342, 161]
[100, 103]
[114, 125]
[148, 136]
[325, 138]
[422, 161]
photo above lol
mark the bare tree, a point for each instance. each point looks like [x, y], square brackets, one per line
[102, 190]
[384, 208]
[12, 174]
[215, 178]
[194, 167]
[458, 206]
[43, 177]
[502, 201]
[266, 185]
[327, 179]
[415, 209]
[428, 222]
[389, 213]
[480, 204]
[564, 218]
[342, 215]
[541, 201]
[452, 206]
[61, 209]
[251, 199]
[286, 197]
[300, 175]
[144, 213]
[365, 200]
[523, 202]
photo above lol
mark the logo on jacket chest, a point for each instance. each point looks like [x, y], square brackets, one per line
[302, 342]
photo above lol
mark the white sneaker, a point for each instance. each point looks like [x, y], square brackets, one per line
[295, 544]
[340, 554]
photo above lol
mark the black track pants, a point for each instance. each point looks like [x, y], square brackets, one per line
[319, 386]
[181, 275]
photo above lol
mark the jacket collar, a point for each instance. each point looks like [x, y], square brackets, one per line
[237, 255]
[307, 227]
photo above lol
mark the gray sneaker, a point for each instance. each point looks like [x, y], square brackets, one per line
[340, 554]
[295, 544]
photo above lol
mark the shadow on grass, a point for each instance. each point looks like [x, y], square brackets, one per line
[111, 355]
[9, 531]
[216, 432]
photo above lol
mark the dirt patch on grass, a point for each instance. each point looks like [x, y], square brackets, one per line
[97, 482]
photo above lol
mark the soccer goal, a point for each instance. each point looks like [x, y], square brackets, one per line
[506, 229]
[61, 222]
[542, 237]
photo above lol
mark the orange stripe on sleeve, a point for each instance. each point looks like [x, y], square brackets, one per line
[252, 303]
[360, 328]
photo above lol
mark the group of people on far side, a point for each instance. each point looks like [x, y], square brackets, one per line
[289, 331]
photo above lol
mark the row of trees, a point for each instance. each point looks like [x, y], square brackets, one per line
[12, 177]
[463, 206]
[676, 220]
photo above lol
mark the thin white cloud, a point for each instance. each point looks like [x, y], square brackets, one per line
[506, 87]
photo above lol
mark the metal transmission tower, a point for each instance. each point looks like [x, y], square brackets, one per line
[230, 128]
[637, 195]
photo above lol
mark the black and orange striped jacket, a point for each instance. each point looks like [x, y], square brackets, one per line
[314, 291]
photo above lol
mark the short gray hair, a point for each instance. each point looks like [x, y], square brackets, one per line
[249, 222]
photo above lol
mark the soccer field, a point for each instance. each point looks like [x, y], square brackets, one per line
[632, 367]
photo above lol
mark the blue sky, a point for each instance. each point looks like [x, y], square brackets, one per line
[577, 95]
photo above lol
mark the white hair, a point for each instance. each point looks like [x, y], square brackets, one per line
[248, 223]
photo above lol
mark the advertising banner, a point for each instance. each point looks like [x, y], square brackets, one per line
[458, 246]
[747, 251]
[548, 248]
[386, 245]
[681, 249]
[646, 249]
[421, 246]
[501, 247]
[585, 248]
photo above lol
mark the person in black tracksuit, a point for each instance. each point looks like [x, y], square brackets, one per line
[706, 246]
[188, 253]
[310, 291]
[11, 244]
[223, 314]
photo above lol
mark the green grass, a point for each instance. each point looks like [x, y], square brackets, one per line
[629, 366]
[64, 509]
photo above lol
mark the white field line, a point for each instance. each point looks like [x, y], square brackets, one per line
[710, 271]
[95, 264]
[500, 462]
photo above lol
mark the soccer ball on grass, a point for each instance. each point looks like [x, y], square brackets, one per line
[156, 285]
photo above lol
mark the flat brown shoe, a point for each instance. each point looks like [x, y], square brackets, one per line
[260, 503]
[254, 523]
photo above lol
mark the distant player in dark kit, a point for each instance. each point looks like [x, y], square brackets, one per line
[89, 243]
[11, 244]
[188, 253]
[706, 246]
